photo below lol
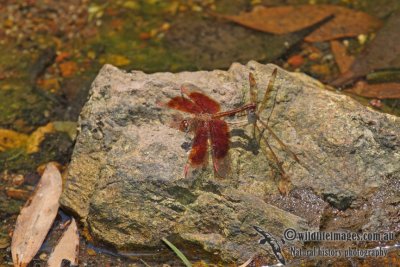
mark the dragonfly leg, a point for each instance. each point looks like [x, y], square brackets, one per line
[284, 182]
[269, 129]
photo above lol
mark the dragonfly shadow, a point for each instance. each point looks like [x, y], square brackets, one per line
[250, 143]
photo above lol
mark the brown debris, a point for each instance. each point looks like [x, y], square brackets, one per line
[380, 53]
[15, 193]
[378, 91]
[286, 19]
[68, 68]
[295, 61]
[346, 23]
[279, 20]
[67, 247]
[36, 217]
[343, 60]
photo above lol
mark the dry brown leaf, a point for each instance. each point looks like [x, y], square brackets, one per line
[346, 23]
[379, 91]
[36, 217]
[67, 248]
[61, 56]
[343, 60]
[50, 84]
[279, 20]
[17, 193]
[11, 139]
[68, 68]
[286, 19]
[381, 53]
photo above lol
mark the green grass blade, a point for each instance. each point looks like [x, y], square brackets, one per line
[177, 252]
[145, 263]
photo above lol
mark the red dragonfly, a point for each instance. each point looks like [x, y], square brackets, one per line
[208, 127]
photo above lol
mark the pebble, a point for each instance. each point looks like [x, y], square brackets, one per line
[43, 256]
[91, 252]
[296, 61]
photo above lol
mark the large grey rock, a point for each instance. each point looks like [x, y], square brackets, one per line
[126, 179]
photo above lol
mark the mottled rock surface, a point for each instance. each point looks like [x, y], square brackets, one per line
[126, 180]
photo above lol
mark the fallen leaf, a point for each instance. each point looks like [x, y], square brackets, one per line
[4, 242]
[61, 56]
[346, 23]
[343, 60]
[36, 138]
[7, 74]
[286, 19]
[51, 84]
[165, 27]
[322, 70]
[68, 68]
[378, 91]
[17, 193]
[279, 20]
[117, 24]
[31, 143]
[67, 248]
[116, 60]
[11, 139]
[144, 36]
[36, 217]
[315, 56]
[17, 179]
[380, 53]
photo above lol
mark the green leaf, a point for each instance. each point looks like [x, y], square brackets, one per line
[177, 252]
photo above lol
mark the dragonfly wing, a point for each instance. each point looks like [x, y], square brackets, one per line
[253, 88]
[267, 93]
[206, 103]
[198, 156]
[219, 136]
[251, 115]
[184, 104]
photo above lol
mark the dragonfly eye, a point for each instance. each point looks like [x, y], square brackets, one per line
[184, 126]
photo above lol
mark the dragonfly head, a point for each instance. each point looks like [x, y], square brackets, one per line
[185, 125]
